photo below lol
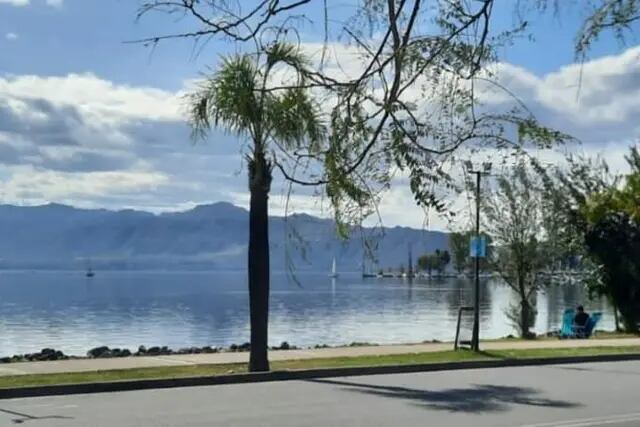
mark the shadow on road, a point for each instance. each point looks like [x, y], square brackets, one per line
[478, 398]
[22, 418]
[598, 370]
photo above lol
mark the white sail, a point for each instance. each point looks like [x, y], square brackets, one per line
[334, 271]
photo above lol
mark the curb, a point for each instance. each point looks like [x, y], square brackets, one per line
[116, 386]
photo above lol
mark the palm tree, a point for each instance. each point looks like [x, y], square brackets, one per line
[238, 98]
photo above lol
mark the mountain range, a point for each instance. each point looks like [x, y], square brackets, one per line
[212, 237]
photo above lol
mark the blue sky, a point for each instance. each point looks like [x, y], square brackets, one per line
[90, 120]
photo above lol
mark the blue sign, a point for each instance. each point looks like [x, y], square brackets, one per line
[478, 247]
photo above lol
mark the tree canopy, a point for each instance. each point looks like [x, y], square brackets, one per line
[401, 100]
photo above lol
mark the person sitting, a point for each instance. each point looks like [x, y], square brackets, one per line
[580, 322]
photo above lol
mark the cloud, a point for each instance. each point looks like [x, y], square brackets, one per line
[91, 142]
[11, 36]
[86, 141]
[39, 186]
[52, 3]
[15, 2]
[98, 100]
[597, 101]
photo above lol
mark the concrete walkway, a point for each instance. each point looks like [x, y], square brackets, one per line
[85, 365]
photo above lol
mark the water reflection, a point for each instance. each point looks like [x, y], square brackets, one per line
[69, 312]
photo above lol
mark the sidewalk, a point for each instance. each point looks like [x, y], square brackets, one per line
[84, 365]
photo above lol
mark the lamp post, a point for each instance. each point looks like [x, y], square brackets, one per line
[475, 337]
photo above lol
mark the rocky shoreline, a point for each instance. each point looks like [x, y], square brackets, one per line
[104, 352]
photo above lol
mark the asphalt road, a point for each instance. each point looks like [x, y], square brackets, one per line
[589, 395]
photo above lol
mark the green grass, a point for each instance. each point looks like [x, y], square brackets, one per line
[211, 370]
[601, 335]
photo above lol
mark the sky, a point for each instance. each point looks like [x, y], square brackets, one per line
[90, 120]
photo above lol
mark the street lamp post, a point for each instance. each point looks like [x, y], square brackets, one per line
[475, 337]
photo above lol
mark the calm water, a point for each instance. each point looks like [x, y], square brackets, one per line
[125, 309]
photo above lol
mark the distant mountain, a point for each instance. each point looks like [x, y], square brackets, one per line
[207, 237]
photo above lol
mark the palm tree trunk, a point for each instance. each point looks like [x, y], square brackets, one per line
[258, 261]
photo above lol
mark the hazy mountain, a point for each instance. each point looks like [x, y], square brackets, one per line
[206, 237]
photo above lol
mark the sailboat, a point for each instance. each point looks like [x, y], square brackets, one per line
[90, 272]
[410, 274]
[334, 272]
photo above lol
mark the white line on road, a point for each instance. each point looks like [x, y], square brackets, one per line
[589, 422]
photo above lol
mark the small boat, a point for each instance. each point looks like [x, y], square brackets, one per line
[90, 272]
[334, 272]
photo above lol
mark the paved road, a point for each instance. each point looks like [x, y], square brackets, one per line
[588, 395]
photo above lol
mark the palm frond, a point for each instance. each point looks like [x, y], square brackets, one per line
[227, 98]
[287, 53]
[295, 118]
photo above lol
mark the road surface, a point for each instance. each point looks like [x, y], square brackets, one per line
[588, 395]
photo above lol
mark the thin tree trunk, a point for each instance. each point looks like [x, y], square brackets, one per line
[258, 261]
[524, 319]
[524, 309]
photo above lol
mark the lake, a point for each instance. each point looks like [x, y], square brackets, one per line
[70, 312]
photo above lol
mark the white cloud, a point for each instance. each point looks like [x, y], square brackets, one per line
[11, 36]
[603, 91]
[37, 186]
[98, 100]
[15, 2]
[52, 3]
[87, 141]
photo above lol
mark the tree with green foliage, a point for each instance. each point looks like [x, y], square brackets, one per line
[613, 240]
[426, 263]
[436, 261]
[408, 104]
[602, 16]
[514, 218]
[459, 245]
[236, 98]
[445, 259]
[567, 190]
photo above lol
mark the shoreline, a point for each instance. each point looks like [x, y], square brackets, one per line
[105, 352]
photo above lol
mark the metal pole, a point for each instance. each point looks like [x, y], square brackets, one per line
[476, 313]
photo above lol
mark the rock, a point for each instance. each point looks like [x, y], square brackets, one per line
[116, 352]
[98, 352]
[153, 351]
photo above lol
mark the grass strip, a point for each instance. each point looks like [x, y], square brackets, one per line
[16, 381]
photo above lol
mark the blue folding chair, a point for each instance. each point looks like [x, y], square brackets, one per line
[591, 324]
[567, 324]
